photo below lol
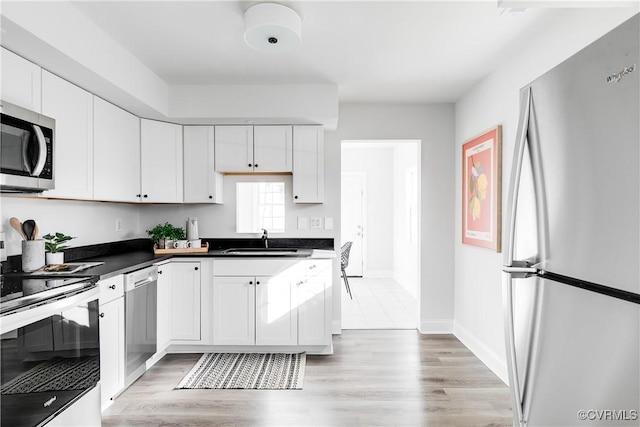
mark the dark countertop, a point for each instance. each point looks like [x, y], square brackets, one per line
[131, 255]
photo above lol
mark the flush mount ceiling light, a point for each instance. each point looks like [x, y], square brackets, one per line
[272, 27]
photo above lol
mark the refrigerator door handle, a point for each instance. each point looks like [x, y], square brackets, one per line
[514, 186]
[521, 270]
[510, 339]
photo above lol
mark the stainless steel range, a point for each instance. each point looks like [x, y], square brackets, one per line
[49, 348]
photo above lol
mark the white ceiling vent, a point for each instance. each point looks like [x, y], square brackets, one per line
[272, 27]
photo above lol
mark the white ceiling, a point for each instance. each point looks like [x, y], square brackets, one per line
[375, 51]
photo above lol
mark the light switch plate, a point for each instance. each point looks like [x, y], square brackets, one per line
[315, 222]
[118, 225]
[328, 223]
[303, 223]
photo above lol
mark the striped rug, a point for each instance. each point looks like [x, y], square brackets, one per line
[258, 371]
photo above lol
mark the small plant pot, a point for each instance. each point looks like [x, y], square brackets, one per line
[54, 258]
[165, 244]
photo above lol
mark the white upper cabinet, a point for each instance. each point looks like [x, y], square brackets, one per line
[116, 153]
[21, 81]
[72, 109]
[234, 148]
[259, 149]
[161, 162]
[308, 164]
[202, 184]
[272, 149]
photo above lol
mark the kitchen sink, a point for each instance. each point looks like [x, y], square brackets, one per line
[261, 251]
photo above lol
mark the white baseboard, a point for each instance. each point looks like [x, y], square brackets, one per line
[484, 353]
[336, 327]
[437, 326]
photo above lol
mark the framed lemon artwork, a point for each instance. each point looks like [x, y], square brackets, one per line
[482, 190]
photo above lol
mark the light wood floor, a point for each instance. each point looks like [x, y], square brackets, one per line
[374, 377]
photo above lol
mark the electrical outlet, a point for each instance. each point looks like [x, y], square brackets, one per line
[118, 225]
[303, 223]
[315, 222]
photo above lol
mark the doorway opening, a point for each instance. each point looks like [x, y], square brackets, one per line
[380, 211]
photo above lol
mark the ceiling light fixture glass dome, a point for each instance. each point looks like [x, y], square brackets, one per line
[272, 27]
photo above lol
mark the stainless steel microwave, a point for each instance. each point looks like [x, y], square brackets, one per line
[26, 150]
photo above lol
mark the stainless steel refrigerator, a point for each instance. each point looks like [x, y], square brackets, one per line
[571, 277]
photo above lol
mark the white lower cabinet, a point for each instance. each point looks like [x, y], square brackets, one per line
[164, 306]
[314, 302]
[185, 301]
[233, 310]
[112, 339]
[269, 302]
[276, 311]
[256, 310]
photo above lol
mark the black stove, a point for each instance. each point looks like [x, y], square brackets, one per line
[21, 291]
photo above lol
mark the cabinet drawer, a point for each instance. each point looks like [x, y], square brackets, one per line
[111, 288]
[255, 267]
[313, 268]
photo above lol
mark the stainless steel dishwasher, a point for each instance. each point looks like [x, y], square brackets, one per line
[141, 307]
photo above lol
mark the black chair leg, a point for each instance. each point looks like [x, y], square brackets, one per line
[346, 283]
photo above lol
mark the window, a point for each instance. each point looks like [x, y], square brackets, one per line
[259, 205]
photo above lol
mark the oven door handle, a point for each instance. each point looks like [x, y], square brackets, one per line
[42, 151]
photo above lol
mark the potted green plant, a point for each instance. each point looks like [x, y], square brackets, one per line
[165, 234]
[53, 245]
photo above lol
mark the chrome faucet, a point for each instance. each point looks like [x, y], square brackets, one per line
[265, 238]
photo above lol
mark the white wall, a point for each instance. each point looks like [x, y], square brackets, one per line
[405, 238]
[433, 125]
[478, 292]
[89, 222]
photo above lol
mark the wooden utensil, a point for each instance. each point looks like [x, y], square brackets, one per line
[17, 225]
[36, 230]
[28, 227]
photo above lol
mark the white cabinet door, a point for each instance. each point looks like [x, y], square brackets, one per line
[116, 153]
[276, 312]
[164, 306]
[314, 302]
[202, 184]
[21, 81]
[111, 349]
[308, 164]
[185, 301]
[233, 310]
[72, 108]
[234, 148]
[272, 149]
[161, 167]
